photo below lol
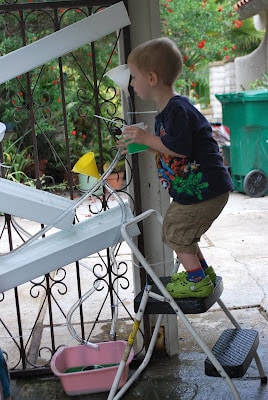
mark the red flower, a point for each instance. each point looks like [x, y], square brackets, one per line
[237, 23]
[194, 84]
[20, 93]
[201, 44]
[185, 58]
[234, 47]
[84, 135]
[55, 82]
[220, 8]
[73, 133]
[192, 67]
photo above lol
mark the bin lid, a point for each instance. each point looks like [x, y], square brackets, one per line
[241, 97]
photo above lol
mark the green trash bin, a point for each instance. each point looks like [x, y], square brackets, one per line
[246, 115]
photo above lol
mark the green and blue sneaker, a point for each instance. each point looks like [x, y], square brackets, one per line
[183, 275]
[182, 288]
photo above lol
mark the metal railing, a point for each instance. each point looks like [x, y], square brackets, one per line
[41, 106]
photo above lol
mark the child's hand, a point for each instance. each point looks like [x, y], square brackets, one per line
[131, 134]
[121, 144]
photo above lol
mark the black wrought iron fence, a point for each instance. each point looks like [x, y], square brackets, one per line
[49, 114]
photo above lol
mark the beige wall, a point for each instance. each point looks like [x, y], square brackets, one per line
[236, 76]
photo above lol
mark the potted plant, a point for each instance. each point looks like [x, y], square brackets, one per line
[17, 159]
[116, 177]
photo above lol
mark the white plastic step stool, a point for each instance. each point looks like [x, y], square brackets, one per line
[155, 299]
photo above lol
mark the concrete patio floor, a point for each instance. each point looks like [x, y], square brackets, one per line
[236, 245]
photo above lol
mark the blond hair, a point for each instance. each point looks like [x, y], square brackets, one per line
[161, 56]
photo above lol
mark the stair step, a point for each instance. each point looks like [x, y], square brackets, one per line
[63, 247]
[234, 350]
[190, 305]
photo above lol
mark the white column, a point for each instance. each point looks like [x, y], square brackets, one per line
[216, 85]
[145, 25]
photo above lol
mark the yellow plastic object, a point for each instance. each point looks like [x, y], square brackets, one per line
[87, 165]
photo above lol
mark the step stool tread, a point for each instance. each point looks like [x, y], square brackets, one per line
[190, 305]
[234, 350]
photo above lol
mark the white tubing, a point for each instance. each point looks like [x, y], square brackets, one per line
[99, 182]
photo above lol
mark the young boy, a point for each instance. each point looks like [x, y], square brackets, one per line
[188, 161]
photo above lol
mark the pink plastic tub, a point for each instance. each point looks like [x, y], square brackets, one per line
[100, 375]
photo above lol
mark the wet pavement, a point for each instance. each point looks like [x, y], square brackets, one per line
[236, 245]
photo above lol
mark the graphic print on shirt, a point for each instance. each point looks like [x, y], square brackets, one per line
[180, 174]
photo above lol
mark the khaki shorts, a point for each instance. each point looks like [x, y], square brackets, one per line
[184, 225]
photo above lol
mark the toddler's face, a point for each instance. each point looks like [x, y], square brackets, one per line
[139, 82]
